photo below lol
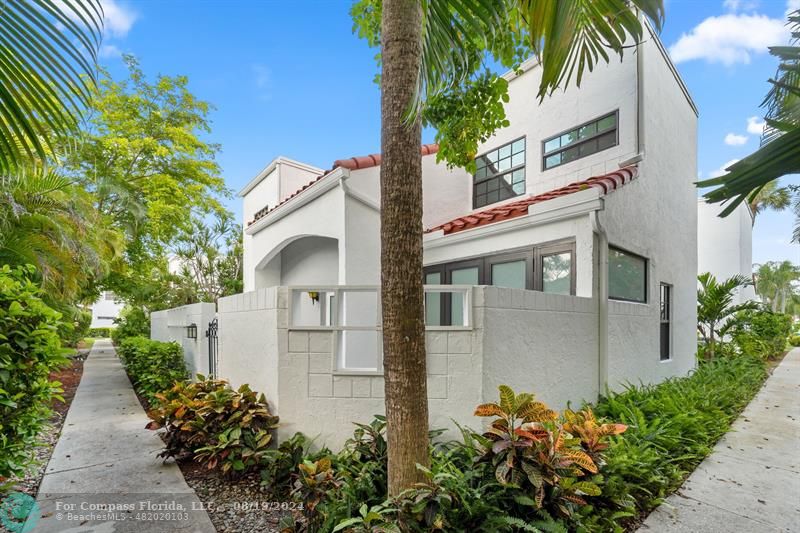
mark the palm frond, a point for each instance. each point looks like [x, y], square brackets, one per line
[48, 51]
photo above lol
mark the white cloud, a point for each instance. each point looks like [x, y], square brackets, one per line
[721, 170]
[755, 125]
[109, 50]
[732, 139]
[739, 5]
[263, 80]
[729, 39]
[118, 18]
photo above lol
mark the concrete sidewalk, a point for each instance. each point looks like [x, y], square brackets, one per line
[751, 481]
[105, 460]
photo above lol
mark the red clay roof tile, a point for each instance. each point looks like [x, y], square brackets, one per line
[607, 182]
[352, 163]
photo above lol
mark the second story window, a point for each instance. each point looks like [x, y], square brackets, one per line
[500, 174]
[582, 141]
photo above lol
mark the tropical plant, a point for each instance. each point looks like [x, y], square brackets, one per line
[775, 283]
[210, 261]
[29, 350]
[779, 154]
[761, 332]
[530, 448]
[47, 67]
[221, 427]
[427, 50]
[770, 196]
[152, 366]
[716, 310]
[48, 221]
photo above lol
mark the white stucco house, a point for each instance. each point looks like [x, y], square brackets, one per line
[725, 245]
[105, 310]
[565, 265]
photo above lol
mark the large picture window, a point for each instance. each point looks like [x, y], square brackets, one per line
[500, 174]
[627, 276]
[581, 141]
[548, 268]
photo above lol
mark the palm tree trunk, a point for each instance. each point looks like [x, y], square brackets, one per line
[401, 246]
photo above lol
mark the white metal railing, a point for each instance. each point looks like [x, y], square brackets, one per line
[353, 312]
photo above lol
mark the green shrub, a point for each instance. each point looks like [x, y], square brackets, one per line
[794, 340]
[214, 424]
[132, 322]
[153, 366]
[672, 426]
[762, 333]
[100, 332]
[74, 325]
[29, 350]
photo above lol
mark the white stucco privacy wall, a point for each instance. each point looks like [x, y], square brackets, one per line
[725, 245]
[171, 326]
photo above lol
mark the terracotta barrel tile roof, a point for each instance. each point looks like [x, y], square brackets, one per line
[351, 163]
[607, 183]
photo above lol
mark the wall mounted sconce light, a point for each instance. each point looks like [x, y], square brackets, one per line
[191, 331]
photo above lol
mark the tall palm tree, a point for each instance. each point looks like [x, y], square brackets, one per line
[48, 52]
[424, 47]
[779, 154]
[775, 283]
[770, 197]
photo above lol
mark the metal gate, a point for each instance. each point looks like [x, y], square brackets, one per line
[213, 347]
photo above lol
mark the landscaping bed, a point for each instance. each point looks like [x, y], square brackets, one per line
[70, 378]
[240, 505]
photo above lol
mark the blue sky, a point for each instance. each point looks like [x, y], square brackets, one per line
[290, 78]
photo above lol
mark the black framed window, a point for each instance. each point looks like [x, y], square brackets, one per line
[665, 333]
[627, 276]
[548, 267]
[581, 141]
[500, 174]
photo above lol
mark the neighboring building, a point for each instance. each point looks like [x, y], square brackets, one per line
[725, 245]
[105, 310]
[581, 220]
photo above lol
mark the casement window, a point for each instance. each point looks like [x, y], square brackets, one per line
[500, 174]
[665, 333]
[548, 268]
[581, 141]
[627, 276]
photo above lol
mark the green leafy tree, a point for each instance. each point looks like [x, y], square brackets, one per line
[776, 283]
[47, 70]
[435, 49]
[210, 259]
[716, 310]
[779, 154]
[144, 158]
[770, 197]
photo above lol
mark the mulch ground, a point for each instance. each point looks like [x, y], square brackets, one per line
[234, 505]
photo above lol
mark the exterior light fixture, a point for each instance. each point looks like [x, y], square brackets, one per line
[314, 295]
[191, 331]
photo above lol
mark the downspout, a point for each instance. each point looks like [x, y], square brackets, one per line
[602, 303]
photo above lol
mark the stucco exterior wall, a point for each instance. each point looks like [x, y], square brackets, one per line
[170, 326]
[655, 216]
[542, 343]
[104, 311]
[725, 245]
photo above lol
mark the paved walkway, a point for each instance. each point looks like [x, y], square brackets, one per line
[106, 459]
[751, 481]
